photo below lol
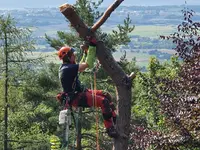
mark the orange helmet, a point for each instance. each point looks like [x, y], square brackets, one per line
[63, 51]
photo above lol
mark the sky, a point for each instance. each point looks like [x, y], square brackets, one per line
[10, 4]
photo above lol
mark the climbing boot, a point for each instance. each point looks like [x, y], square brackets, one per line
[112, 132]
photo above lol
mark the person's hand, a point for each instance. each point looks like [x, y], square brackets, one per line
[63, 98]
[84, 47]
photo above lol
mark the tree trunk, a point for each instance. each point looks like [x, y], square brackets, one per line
[121, 80]
[123, 84]
[79, 127]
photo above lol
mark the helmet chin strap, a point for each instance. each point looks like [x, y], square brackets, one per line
[73, 59]
[69, 60]
[73, 62]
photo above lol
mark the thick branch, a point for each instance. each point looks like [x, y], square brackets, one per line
[69, 12]
[107, 14]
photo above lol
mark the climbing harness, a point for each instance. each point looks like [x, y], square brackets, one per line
[66, 114]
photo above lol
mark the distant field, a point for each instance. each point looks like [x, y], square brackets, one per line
[50, 30]
[152, 31]
[49, 56]
[141, 30]
[142, 59]
[146, 30]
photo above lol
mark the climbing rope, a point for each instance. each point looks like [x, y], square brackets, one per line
[97, 117]
[94, 88]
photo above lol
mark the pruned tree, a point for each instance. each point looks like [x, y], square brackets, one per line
[122, 81]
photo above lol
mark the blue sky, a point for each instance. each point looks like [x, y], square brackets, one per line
[55, 3]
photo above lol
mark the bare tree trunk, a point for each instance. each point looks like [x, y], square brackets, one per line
[121, 80]
[79, 127]
[123, 86]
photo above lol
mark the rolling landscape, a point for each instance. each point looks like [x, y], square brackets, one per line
[143, 99]
[150, 22]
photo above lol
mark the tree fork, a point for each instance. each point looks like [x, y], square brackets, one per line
[122, 81]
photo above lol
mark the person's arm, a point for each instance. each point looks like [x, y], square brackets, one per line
[89, 56]
[82, 67]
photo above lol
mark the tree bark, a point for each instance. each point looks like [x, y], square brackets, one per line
[122, 81]
[123, 86]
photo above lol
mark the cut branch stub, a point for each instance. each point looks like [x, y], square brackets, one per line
[69, 12]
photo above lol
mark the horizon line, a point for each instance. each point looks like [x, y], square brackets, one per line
[14, 8]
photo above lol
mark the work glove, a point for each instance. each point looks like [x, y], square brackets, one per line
[91, 56]
[92, 40]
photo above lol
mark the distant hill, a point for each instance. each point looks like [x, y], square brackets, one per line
[149, 21]
[140, 15]
[55, 3]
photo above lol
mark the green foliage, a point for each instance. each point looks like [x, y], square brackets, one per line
[36, 116]
[148, 87]
[121, 37]
[16, 41]
[88, 10]
[167, 96]
[64, 38]
[55, 142]
[88, 13]
[32, 109]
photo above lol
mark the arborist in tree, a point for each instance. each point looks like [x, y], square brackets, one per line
[75, 94]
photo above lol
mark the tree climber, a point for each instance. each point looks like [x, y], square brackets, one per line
[74, 94]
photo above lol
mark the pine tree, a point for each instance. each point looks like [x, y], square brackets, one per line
[88, 14]
[14, 42]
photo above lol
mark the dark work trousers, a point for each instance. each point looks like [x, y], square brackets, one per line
[87, 99]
